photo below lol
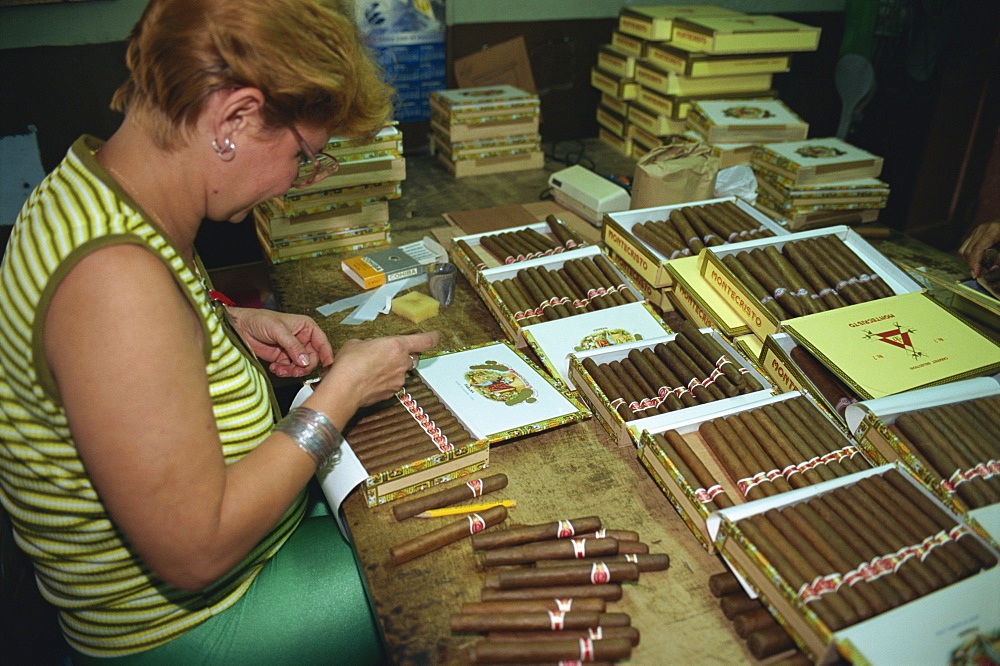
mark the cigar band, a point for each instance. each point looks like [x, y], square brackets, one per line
[693, 240]
[560, 250]
[819, 586]
[557, 620]
[865, 277]
[579, 547]
[442, 444]
[600, 534]
[708, 494]
[767, 299]
[710, 237]
[570, 244]
[520, 315]
[779, 292]
[476, 486]
[509, 260]
[476, 523]
[595, 292]
[632, 557]
[564, 605]
[791, 469]
[679, 253]
[801, 292]
[564, 529]
[580, 303]
[774, 474]
[614, 404]
[733, 236]
[599, 573]
[827, 291]
[586, 649]
[595, 633]
[746, 484]
[722, 360]
[960, 476]
[481, 267]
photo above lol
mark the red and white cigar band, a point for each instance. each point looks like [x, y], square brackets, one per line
[476, 486]
[476, 523]
[586, 649]
[595, 633]
[557, 620]
[579, 547]
[985, 470]
[601, 534]
[564, 529]
[708, 494]
[599, 573]
[564, 605]
[744, 485]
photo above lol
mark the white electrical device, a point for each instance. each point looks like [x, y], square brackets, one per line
[587, 194]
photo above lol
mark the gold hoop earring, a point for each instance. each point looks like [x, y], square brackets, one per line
[227, 151]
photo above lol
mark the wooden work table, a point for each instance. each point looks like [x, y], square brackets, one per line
[569, 472]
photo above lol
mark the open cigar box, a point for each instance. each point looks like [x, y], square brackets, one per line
[488, 393]
[656, 296]
[874, 601]
[753, 307]
[698, 301]
[881, 429]
[697, 495]
[477, 252]
[609, 409]
[621, 239]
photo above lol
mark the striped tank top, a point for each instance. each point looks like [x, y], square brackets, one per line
[109, 603]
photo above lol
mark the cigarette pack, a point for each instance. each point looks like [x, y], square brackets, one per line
[741, 121]
[656, 23]
[696, 299]
[760, 33]
[624, 88]
[691, 64]
[873, 423]
[752, 309]
[949, 623]
[472, 257]
[395, 263]
[494, 392]
[648, 262]
[696, 499]
[609, 409]
[816, 161]
[777, 358]
[671, 83]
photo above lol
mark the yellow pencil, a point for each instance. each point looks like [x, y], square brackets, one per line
[468, 508]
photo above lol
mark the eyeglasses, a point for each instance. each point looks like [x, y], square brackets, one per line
[317, 165]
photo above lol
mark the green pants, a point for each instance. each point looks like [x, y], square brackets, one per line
[307, 606]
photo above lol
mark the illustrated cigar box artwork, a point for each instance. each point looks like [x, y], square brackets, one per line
[846, 564]
[570, 284]
[441, 424]
[662, 380]
[648, 238]
[816, 161]
[948, 436]
[697, 301]
[772, 280]
[793, 368]
[758, 449]
[736, 121]
[478, 252]
[760, 33]
[656, 23]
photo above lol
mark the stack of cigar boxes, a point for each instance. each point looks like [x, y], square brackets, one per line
[734, 127]
[346, 211]
[819, 182]
[485, 130]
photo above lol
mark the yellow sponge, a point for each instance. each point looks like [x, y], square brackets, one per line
[415, 306]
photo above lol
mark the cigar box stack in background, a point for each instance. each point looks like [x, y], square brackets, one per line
[486, 130]
[818, 182]
[348, 210]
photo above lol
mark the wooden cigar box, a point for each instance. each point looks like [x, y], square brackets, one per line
[760, 33]
[693, 64]
[470, 105]
[646, 261]
[613, 60]
[495, 392]
[685, 494]
[742, 121]
[966, 299]
[761, 321]
[497, 160]
[869, 422]
[816, 161]
[624, 88]
[932, 628]
[626, 433]
[471, 268]
[613, 122]
[657, 124]
[671, 83]
[619, 106]
[621, 144]
[659, 297]
[656, 23]
[697, 301]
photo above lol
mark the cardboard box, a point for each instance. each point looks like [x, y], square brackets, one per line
[929, 629]
[761, 321]
[388, 265]
[619, 144]
[816, 161]
[736, 121]
[689, 498]
[646, 261]
[515, 161]
[869, 423]
[616, 105]
[473, 383]
[611, 121]
[671, 83]
[614, 61]
[627, 433]
[697, 301]
[758, 33]
[656, 23]
[483, 259]
[618, 86]
[691, 64]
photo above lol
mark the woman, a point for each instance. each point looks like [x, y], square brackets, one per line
[139, 457]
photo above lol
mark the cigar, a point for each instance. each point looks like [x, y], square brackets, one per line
[709, 492]
[606, 591]
[734, 458]
[721, 224]
[565, 237]
[578, 299]
[695, 216]
[648, 393]
[755, 288]
[561, 651]
[584, 574]
[561, 529]
[785, 464]
[604, 533]
[447, 497]
[595, 277]
[645, 561]
[537, 295]
[769, 642]
[630, 634]
[609, 271]
[715, 353]
[560, 302]
[826, 434]
[833, 390]
[543, 243]
[395, 434]
[646, 233]
[723, 584]
[614, 394]
[759, 265]
[551, 620]
[820, 286]
[858, 266]
[468, 526]
[687, 232]
[791, 433]
[746, 220]
[733, 605]
[500, 248]
[523, 249]
[758, 619]
[811, 302]
[517, 302]
[549, 550]
[681, 365]
[476, 260]
[806, 431]
[845, 282]
[759, 453]
[705, 366]
[641, 405]
[534, 606]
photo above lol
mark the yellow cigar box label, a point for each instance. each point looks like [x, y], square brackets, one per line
[777, 369]
[747, 308]
[646, 265]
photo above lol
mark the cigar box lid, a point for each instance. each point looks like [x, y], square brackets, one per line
[819, 160]
[895, 344]
[745, 113]
[687, 273]
[759, 33]
[483, 97]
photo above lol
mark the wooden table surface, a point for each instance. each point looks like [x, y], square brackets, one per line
[569, 472]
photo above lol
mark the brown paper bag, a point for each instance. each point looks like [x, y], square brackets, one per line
[674, 174]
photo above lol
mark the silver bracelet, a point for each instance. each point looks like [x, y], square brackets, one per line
[313, 433]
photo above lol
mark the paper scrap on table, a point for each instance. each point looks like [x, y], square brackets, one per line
[337, 482]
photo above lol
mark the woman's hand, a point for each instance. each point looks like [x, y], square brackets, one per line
[292, 344]
[981, 239]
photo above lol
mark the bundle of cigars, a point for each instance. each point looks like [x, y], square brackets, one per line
[689, 229]
[582, 284]
[521, 244]
[806, 276]
[766, 450]
[960, 444]
[547, 599]
[862, 549]
[691, 369]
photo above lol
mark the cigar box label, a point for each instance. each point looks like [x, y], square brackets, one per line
[747, 307]
[606, 337]
[499, 383]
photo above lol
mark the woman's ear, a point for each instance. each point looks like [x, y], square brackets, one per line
[238, 111]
